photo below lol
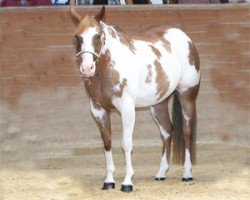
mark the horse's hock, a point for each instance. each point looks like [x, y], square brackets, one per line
[43, 98]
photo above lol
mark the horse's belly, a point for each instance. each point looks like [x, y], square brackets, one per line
[146, 96]
[158, 82]
[149, 95]
[150, 98]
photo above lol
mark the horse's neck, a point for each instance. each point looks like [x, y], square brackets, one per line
[115, 35]
[111, 35]
[117, 40]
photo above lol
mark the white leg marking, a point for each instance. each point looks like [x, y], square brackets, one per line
[187, 165]
[163, 166]
[129, 169]
[128, 119]
[186, 117]
[126, 107]
[110, 167]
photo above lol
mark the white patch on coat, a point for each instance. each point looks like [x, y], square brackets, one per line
[189, 79]
[186, 117]
[187, 165]
[110, 167]
[180, 47]
[163, 166]
[98, 113]
[126, 107]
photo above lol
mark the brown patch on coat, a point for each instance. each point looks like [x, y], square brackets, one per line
[115, 78]
[78, 45]
[161, 80]
[86, 23]
[193, 56]
[122, 85]
[149, 76]
[166, 45]
[101, 86]
[155, 51]
[191, 93]
[104, 125]
[161, 114]
[152, 35]
[185, 132]
[97, 43]
[125, 40]
[112, 33]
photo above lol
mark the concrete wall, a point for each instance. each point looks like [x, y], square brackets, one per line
[43, 98]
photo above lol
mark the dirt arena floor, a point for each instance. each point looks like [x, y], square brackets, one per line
[222, 172]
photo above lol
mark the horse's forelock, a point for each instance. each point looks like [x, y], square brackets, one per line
[87, 22]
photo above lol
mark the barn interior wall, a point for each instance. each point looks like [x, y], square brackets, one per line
[43, 97]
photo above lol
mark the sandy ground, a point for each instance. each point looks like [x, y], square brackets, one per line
[222, 172]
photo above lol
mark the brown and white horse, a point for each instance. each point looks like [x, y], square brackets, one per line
[124, 71]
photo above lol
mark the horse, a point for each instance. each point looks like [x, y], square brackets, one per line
[125, 71]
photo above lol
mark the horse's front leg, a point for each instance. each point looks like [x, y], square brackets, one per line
[127, 109]
[102, 118]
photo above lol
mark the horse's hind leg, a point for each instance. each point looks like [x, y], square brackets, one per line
[161, 117]
[102, 118]
[188, 106]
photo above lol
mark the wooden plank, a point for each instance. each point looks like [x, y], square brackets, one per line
[38, 63]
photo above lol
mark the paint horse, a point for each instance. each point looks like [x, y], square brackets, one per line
[123, 71]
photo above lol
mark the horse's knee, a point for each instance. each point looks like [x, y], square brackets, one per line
[127, 145]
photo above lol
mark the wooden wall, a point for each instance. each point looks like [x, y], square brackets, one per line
[42, 94]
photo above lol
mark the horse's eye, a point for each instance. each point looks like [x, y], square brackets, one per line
[78, 38]
[98, 36]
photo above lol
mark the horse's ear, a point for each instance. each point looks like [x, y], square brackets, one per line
[76, 18]
[99, 16]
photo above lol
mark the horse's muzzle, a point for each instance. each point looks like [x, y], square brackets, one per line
[87, 71]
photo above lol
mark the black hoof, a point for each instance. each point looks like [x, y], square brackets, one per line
[107, 186]
[160, 179]
[187, 179]
[127, 188]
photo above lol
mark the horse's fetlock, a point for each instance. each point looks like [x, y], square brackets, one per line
[130, 172]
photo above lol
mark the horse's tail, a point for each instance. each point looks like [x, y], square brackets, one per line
[178, 136]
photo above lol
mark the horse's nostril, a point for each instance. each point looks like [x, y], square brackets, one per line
[91, 67]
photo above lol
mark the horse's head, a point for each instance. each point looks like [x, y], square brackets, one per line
[88, 40]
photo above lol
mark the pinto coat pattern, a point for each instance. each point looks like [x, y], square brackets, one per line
[123, 71]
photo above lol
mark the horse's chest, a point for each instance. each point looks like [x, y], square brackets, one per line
[100, 92]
